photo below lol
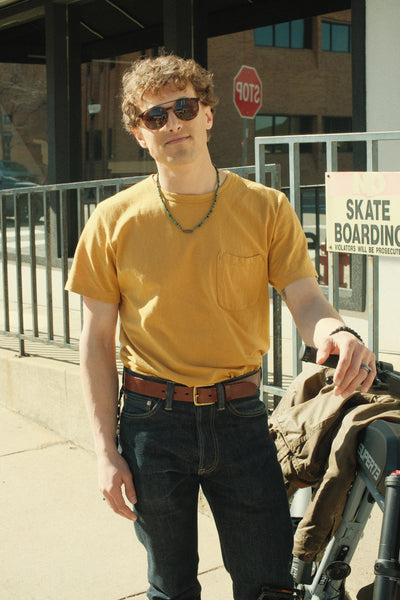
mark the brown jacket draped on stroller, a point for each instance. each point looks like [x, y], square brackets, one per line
[316, 436]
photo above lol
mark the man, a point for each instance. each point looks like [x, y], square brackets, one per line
[184, 258]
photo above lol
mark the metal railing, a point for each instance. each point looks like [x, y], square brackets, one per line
[369, 144]
[40, 226]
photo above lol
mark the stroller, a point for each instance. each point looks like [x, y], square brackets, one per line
[358, 440]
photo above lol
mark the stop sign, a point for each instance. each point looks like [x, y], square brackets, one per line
[247, 92]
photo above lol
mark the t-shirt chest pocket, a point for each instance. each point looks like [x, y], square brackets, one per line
[240, 280]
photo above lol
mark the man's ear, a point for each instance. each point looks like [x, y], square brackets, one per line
[209, 117]
[139, 138]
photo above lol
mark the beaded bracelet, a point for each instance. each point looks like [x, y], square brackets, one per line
[344, 328]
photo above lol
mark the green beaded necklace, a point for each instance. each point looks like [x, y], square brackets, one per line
[172, 218]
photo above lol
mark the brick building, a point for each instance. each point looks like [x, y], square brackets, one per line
[305, 68]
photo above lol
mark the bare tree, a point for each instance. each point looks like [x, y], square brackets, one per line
[22, 106]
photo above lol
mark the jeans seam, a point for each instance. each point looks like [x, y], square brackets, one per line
[213, 466]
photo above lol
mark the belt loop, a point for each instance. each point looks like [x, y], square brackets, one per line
[169, 396]
[221, 396]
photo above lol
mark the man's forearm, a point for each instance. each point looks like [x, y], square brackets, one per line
[100, 387]
[318, 322]
[314, 316]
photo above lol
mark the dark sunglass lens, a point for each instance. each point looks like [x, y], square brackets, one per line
[155, 118]
[186, 108]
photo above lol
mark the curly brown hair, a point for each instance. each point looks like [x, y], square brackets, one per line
[150, 75]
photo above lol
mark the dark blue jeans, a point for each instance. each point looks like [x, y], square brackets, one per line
[227, 450]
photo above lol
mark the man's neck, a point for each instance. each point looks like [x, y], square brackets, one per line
[188, 179]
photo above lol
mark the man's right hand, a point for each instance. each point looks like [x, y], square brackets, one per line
[114, 474]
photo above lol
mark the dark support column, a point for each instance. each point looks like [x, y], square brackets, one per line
[359, 79]
[64, 107]
[63, 93]
[75, 92]
[185, 29]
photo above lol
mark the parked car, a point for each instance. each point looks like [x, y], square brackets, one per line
[10, 183]
[16, 170]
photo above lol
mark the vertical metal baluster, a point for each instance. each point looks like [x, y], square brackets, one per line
[18, 269]
[373, 268]
[333, 257]
[295, 200]
[64, 265]
[260, 162]
[49, 266]
[4, 262]
[81, 223]
[33, 271]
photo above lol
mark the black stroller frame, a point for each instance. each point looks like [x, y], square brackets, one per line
[377, 481]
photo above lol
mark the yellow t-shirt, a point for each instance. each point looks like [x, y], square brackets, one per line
[194, 307]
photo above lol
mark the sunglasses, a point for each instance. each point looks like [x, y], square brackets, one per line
[156, 117]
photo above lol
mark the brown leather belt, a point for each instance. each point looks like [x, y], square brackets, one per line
[200, 396]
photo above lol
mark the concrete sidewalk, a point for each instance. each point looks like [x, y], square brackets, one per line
[59, 539]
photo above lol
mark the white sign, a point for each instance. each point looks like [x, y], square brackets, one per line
[363, 213]
[94, 109]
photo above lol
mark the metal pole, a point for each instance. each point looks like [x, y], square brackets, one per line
[387, 567]
[245, 141]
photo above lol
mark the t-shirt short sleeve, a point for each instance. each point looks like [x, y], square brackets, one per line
[93, 272]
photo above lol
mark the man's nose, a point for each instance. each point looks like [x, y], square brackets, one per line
[173, 122]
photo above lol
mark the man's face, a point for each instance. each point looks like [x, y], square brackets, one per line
[178, 142]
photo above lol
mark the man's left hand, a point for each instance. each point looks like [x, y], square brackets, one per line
[356, 366]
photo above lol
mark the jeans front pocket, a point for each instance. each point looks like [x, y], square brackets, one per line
[137, 406]
[240, 280]
[247, 407]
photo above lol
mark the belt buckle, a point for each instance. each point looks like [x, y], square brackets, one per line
[196, 395]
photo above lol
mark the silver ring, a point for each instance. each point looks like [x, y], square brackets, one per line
[366, 367]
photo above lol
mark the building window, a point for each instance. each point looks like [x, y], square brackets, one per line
[274, 125]
[339, 125]
[336, 37]
[293, 34]
[94, 145]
